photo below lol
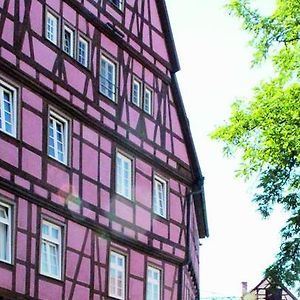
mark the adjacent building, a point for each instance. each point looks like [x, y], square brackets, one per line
[266, 291]
[101, 193]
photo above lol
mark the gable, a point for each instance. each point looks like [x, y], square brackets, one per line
[146, 27]
[264, 290]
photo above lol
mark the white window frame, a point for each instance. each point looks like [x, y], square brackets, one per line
[58, 119]
[124, 184]
[119, 5]
[136, 94]
[12, 91]
[103, 80]
[160, 205]
[55, 19]
[49, 240]
[152, 282]
[72, 39]
[119, 270]
[83, 40]
[148, 94]
[7, 222]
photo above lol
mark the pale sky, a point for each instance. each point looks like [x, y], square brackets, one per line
[216, 69]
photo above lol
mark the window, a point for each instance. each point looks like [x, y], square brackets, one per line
[73, 43]
[52, 28]
[51, 250]
[108, 78]
[117, 275]
[58, 138]
[117, 3]
[148, 101]
[124, 176]
[160, 197]
[153, 284]
[5, 232]
[83, 51]
[136, 92]
[8, 109]
[68, 40]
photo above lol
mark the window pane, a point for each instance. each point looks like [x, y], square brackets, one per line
[3, 214]
[7, 110]
[124, 176]
[160, 201]
[107, 79]
[148, 101]
[153, 284]
[54, 259]
[54, 233]
[136, 93]
[3, 242]
[51, 28]
[117, 3]
[68, 41]
[44, 262]
[5, 233]
[50, 250]
[57, 140]
[83, 52]
[51, 150]
[117, 275]
[45, 229]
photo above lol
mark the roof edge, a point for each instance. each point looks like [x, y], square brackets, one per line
[166, 26]
[198, 188]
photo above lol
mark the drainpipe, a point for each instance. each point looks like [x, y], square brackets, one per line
[187, 258]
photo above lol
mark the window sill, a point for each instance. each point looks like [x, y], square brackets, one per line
[112, 101]
[114, 298]
[58, 163]
[8, 137]
[73, 59]
[51, 279]
[117, 9]
[7, 265]
[141, 110]
[165, 220]
[124, 199]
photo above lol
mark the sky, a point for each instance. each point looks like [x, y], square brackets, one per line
[216, 69]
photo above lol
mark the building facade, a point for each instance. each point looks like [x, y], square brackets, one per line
[101, 193]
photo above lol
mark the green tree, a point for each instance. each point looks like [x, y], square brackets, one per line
[265, 130]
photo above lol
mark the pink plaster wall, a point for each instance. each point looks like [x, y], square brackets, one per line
[9, 153]
[32, 129]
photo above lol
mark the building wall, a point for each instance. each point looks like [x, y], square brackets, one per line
[85, 260]
[81, 195]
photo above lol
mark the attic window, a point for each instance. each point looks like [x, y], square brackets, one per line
[117, 3]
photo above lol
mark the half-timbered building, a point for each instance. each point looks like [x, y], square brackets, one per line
[101, 193]
[265, 290]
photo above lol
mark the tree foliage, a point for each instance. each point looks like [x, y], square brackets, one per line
[265, 130]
